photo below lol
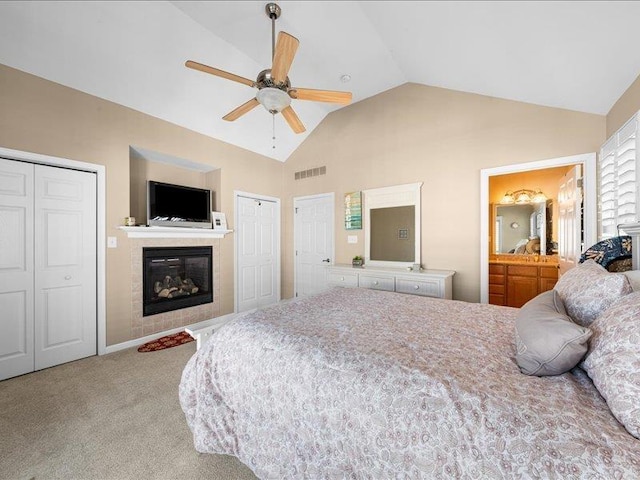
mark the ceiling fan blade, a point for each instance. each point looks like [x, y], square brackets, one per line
[330, 96]
[219, 73]
[286, 47]
[241, 110]
[293, 120]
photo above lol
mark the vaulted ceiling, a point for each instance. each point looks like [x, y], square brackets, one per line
[575, 55]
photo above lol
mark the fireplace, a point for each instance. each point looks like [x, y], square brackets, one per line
[175, 278]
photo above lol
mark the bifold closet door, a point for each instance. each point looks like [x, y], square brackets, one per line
[16, 268]
[65, 265]
[47, 266]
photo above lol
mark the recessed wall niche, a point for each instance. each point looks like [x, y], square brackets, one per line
[145, 165]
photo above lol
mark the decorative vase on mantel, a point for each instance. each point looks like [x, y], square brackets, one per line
[357, 261]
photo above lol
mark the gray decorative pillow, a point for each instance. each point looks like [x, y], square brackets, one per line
[547, 341]
[613, 361]
[588, 290]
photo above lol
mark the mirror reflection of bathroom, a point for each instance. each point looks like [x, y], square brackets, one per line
[529, 228]
[524, 229]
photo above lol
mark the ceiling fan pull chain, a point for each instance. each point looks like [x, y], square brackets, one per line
[273, 118]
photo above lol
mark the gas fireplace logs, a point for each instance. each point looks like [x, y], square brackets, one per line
[174, 287]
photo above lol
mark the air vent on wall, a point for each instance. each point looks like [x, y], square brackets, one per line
[312, 172]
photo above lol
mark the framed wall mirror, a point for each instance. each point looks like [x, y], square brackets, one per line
[392, 225]
[523, 229]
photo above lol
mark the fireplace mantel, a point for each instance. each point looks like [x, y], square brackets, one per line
[173, 232]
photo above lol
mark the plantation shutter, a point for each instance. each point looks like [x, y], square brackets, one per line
[617, 181]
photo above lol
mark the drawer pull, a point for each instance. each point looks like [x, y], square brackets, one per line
[416, 287]
[342, 278]
[375, 282]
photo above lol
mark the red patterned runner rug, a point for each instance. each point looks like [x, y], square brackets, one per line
[166, 342]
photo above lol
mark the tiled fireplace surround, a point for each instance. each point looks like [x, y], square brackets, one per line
[142, 326]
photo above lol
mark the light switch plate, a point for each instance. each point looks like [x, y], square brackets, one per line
[112, 242]
[352, 239]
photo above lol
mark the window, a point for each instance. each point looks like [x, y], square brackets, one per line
[617, 181]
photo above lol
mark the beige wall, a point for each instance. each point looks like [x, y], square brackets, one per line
[411, 133]
[624, 108]
[142, 170]
[44, 117]
[443, 138]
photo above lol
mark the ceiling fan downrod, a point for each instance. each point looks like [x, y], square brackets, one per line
[273, 12]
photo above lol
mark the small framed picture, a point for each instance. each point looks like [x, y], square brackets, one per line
[219, 221]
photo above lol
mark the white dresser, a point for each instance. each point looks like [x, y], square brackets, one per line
[428, 283]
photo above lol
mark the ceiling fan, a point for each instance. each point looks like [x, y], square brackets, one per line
[274, 88]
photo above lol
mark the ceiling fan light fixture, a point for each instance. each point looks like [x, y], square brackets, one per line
[273, 99]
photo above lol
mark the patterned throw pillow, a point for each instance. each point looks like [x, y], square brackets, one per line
[588, 290]
[613, 362]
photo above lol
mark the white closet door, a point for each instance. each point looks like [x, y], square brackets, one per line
[16, 268]
[65, 263]
[313, 242]
[257, 253]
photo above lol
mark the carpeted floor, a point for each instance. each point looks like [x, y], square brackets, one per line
[110, 417]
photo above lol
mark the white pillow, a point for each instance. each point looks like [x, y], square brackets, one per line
[547, 341]
[634, 279]
[589, 289]
[613, 360]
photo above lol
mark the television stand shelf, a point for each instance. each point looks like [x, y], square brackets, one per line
[173, 232]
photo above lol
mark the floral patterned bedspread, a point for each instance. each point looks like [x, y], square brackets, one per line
[358, 383]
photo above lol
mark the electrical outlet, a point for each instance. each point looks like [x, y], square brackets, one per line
[112, 242]
[352, 239]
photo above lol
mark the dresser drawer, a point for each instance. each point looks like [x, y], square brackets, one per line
[496, 269]
[522, 270]
[496, 279]
[497, 289]
[427, 288]
[549, 272]
[377, 283]
[496, 299]
[342, 279]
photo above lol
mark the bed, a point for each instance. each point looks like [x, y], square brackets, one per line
[357, 383]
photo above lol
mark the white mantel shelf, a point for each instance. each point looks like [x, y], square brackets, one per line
[173, 232]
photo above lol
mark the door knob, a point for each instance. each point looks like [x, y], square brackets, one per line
[326, 260]
[67, 277]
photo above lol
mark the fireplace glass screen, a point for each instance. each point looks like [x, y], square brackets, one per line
[176, 277]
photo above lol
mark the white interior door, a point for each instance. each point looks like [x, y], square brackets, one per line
[65, 265]
[313, 242]
[570, 219]
[16, 268]
[257, 252]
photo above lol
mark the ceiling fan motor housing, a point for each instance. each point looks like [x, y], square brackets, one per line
[264, 80]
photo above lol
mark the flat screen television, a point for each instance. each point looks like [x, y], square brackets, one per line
[171, 205]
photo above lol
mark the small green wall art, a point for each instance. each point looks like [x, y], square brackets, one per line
[353, 211]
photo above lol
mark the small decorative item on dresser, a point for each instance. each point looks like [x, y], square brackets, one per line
[130, 221]
[357, 261]
[219, 220]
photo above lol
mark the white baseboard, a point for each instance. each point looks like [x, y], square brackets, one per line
[139, 341]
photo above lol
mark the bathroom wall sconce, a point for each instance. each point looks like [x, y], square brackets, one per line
[523, 196]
